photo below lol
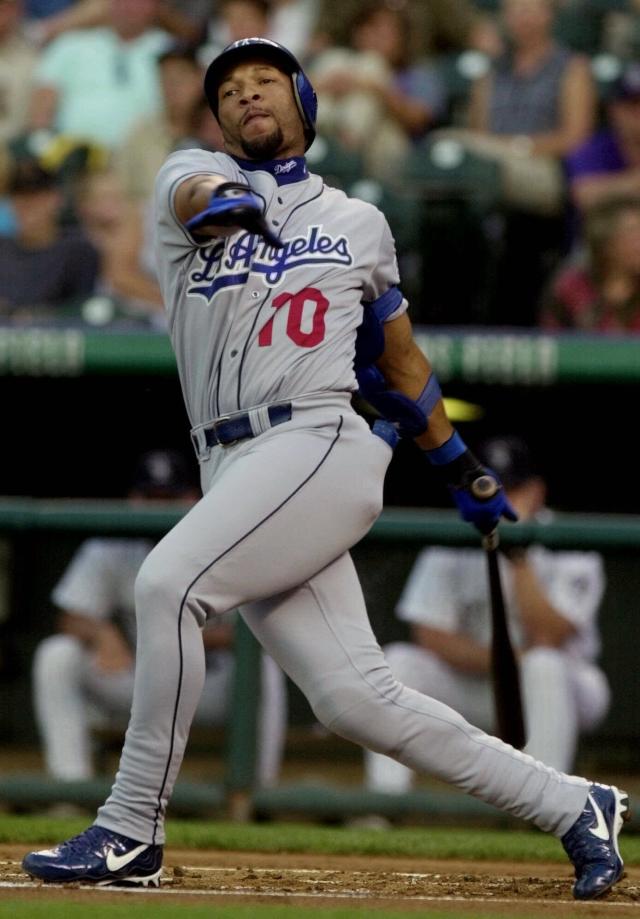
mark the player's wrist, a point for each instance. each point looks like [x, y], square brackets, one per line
[455, 462]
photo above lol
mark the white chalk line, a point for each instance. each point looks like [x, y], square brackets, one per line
[313, 895]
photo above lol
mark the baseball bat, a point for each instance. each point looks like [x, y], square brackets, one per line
[505, 672]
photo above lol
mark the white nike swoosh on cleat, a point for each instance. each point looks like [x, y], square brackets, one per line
[117, 862]
[600, 830]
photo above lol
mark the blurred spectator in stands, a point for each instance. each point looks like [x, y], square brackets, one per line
[373, 95]
[122, 232]
[83, 675]
[184, 19]
[437, 27]
[176, 126]
[292, 23]
[42, 265]
[17, 65]
[621, 29]
[233, 20]
[608, 164]
[600, 290]
[553, 599]
[534, 107]
[536, 104]
[95, 83]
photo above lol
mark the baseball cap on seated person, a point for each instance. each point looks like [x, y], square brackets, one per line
[162, 474]
[509, 457]
[28, 176]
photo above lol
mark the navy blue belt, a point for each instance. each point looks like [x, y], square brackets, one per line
[226, 431]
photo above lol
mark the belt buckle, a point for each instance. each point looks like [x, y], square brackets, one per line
[221, 420]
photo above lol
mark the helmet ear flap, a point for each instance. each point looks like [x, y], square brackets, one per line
[307, 103]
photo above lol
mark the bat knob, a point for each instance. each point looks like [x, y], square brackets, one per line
[491, 541]
[484, 487]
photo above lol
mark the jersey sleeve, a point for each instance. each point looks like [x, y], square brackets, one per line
[381, 289]
[177, 168]
[429, 596]
[87, 585]
[173, 243]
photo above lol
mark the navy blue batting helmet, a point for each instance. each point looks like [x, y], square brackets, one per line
[303, 91]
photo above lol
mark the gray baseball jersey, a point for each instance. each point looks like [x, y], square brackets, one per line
[251, 324]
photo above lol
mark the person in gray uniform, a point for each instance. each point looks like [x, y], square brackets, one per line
[283, 299]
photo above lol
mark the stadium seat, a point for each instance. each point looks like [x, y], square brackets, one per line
[403, 212]
[606, 68]
[580, 24]
[400, 207]
[337, 165]
[443, 169]
[458, 71]
[459, 218]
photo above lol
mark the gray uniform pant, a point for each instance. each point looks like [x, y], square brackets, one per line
[271, 535]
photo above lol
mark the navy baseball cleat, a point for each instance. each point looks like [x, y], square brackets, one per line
[592, 842]
[98, 856]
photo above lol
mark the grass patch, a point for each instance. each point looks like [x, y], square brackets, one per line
[414, 842]
[20, 909]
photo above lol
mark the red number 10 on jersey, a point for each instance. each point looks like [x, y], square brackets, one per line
[295, 316]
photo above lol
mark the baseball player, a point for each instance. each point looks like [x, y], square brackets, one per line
[553, 597]
[83, 675]
[282, 299]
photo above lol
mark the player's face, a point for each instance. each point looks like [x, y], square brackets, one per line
[258, 113]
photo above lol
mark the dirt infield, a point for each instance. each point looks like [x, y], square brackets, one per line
[306, 880]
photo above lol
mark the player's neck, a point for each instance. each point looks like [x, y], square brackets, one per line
[285, 170]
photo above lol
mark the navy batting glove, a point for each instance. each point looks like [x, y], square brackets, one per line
[476, 490]
[483, 512]
[233, 204]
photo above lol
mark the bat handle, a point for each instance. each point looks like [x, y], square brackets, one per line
[491, 541]
[483, 488]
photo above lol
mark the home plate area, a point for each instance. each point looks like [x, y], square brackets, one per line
[241, 876]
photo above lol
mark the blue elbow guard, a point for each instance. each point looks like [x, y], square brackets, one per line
[410, 416]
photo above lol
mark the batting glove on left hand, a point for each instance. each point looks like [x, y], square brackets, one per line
[483, 512]
[477, 490]
[233, 204]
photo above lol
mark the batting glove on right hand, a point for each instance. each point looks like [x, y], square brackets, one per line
[233, 204]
